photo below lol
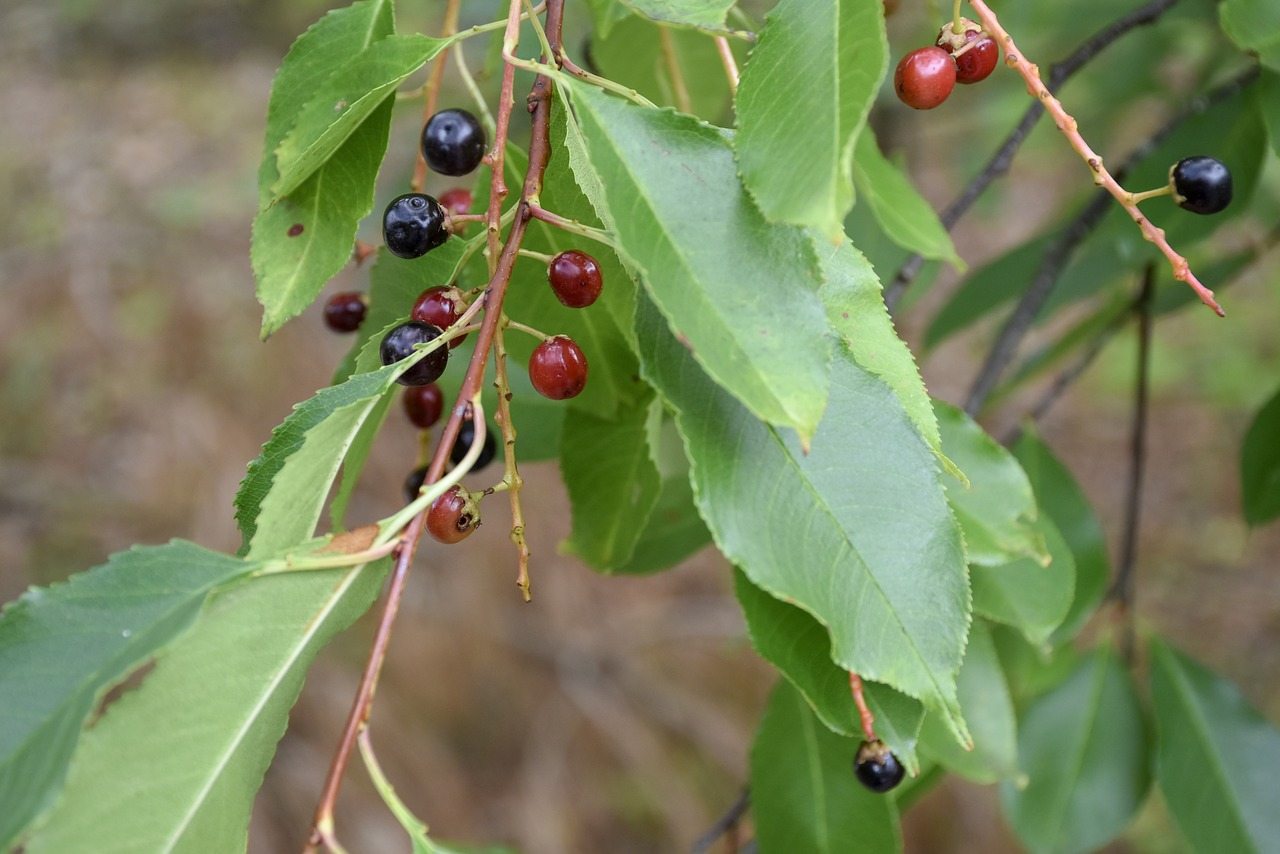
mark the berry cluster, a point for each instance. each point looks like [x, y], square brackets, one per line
[963, 53]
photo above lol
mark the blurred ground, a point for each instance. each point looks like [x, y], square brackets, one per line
[612, 715]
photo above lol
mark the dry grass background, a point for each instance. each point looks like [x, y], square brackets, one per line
[613, 714]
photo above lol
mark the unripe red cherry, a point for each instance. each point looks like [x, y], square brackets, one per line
[423, 405]
[558, 368]
[344, 312]
[575, 278]
[453, 516]
[925, 78]
[439, 306]
[977, 62]
[456, 201]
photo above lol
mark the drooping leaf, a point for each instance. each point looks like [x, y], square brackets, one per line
[1061, 499]
[839, 50]
[1031, 669]
[902, 212]
[790, 639]
[702, 14]
[1083, 748]
[1216, 758]
[300, 242]
[988, 707]
[62, 647]
[716, 270]
[804, 796]
[1031, 596]
[174, 765]
[997, 512]
[1260, 465]
[1254, 25]
[856, 531]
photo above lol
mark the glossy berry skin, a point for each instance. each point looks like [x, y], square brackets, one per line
[575, 278]
[424, 405]
[558, 368]
[399, 343]
[456, 201]
[453, 142]
[413, 225]
[925, 78]
[344, 312]
[976, 63]
[439, 306]
[452, 517]
[413, 484]
[466, 437]
[877, 768]
[1201, 184]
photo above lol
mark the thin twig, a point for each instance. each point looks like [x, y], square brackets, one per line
[729, 63]
[724, 824]
[865, 717]
[433, 93]
[678, 89]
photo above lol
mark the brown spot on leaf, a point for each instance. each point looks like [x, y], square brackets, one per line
[295, 229]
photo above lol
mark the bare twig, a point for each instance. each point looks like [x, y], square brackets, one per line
[724, 824]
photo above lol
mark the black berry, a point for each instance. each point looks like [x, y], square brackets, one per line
[413, 225]
[453, 142]
[925, 77]
[467, 437]
[344, 312]
[558, 368]
[575, 278]
[1201, 184]
[453, 516]
[423, 405]
[399, 344]
[877, 768]
[413, 484]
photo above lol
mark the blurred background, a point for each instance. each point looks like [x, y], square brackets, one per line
[612, 714]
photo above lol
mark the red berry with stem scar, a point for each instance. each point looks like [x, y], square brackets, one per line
[453, 516]
[575, 278]
[925, 78]
[440, 306]
[975, 63]
[558, 368]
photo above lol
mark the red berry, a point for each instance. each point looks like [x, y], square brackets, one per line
[457, 201]
[439, 306]
[453, 516]
[344, 312]
[925, 77]
[575, 277]
[558, 369]
[424, 405]
[977, 62]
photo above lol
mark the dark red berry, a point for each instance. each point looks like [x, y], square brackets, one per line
[877, 768]
[413, 225]
[413, 484]
[558, 368]
[399, 344]
[925, 78]
[344, 312]
[466, 438]
[453, 142]
[439, 306]
[453, 516]
[575, 278]
[1201, 184]
[424, 405]
[977, 62]
[456, 201]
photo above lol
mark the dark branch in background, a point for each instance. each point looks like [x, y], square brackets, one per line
[1122, 591]
[1060, 251]
[1003, 158]
[724, 825]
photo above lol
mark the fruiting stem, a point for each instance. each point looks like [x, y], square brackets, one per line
[511, 478]
[486, 117]
[957, 26]
[537, 256]
[1136, 198]
[520, 327]
[726, 59]
[1069, 128]
[679, 90]
[594, 79]
[864, 714]
[572, 225]
[432, 89]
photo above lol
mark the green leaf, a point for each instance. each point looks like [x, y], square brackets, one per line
[902, 212]
[1260, 465]
[997, 511]
[607, 14]
[988, 707]
[839, 51]
[855, 309]
[174, 765]
[62, 647]
[353, 462]
[342, 103]
[1030, 596]
[791, 640]
[1254, 25]
[1083, 748]
[1216, 758]
[1269, 103]
[702, 14]
[804, 796]
[307, 236]
[716, 270]
[856, 531]
[1061, 500]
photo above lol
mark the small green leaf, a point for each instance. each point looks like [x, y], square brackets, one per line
[902, 212]
[1254, 25]
[702, 14]
[1083, 748]
[839, 50]
[62, 647]
[607, 14]
[1260, 465]
[997, 511]
[804, 796]
[1029, 595]
[716, 269]
[1216, 758]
